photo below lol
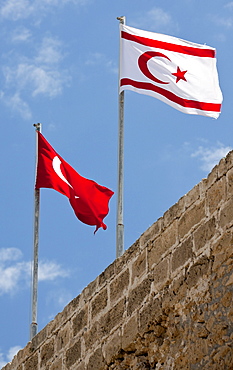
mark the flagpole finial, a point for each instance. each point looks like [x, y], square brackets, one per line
[121, 19]
[37, 126]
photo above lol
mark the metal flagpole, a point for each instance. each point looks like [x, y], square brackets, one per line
[120, 225]
[33, 329]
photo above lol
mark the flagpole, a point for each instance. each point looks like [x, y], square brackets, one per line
[120, 224]
[33, 329]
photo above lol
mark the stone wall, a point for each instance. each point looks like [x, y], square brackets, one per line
[165, 304]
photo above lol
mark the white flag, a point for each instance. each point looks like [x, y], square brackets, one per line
[178, 72]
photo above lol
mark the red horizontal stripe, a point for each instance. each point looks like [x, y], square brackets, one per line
[197, 52]
[209, 107]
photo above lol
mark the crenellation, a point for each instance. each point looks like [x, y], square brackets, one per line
[165, 304]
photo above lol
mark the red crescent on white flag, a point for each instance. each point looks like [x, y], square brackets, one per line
[142, 63]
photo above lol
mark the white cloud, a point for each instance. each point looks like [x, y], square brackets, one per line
[156, 20]
[17, 104]
[226, 22]
[100, 59]
[211, 156]
[9, 356]
[39, 75]
[10, 254]
[12, 352]
[22, 9]
[15, 273]
[2, 361]
[49, 52]
[21, 34]
[16, 9]
[50, 271]
[229, 5]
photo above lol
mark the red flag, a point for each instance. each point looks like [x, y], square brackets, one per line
[182, 74]
[88, 199]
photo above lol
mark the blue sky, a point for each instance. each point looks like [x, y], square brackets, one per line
[59, 66]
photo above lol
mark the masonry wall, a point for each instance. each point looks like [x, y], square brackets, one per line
[165, 304]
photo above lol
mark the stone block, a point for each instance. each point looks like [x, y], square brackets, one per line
[107, 274]
[161, 272]
[226, 214]
[47, 352]
[155, 251]
[56, 365]
[204, 233]
[129, 334]
[96, 361]
[39, 338]
[169, 236]
[173, 212]
[191, 218]
[182, 254]
[80, 321]
[99, 302]
[151, 233]
[112, 346]
[63, 337]
[149, 314]
[223, 248]
[32, 363]
[122, 262]
[197, 271]
[139, 266]
[90, 290]
[73, 354]
[192, 196]
[112, 318]
[212, 177]
[119, 285]
[137, 295]
[216, 195]
[93, 335]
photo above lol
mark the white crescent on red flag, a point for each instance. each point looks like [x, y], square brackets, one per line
[88, 199]
[182, 74]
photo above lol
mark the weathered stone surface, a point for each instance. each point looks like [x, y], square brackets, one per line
[31, 362]
[161, 272]
[80, 321]
[216, 194]
[226, 215]
[99, 302]
[137, 295]
[190, 218]
[112, 318]
[96, 361]
[165, 304]
[47, 352]
[118, 286]
[204, 233]
[112, 346]
[129, 334]
[182, 254]
[73, 354]
[139, 266]
[63, 337]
